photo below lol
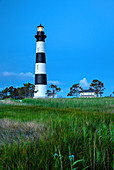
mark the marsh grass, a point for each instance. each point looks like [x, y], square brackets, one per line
[10, 101]
[15, 131]
[92, 103]
[83, 129]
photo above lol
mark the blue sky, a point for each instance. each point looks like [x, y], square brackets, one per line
[79, 44]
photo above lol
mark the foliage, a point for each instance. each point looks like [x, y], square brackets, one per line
[54, 88]
[98, 86]
[48, 92]
[5, 92]
[18, 93]
[29, 89]
[79, 131]
[74, 90]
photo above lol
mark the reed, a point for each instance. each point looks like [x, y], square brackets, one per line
[44, 134]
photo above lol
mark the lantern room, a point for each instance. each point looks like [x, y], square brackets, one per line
[40, 28]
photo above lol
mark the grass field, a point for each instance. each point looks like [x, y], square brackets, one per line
[57, 134]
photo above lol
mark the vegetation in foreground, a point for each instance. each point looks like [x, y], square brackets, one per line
[57, 134]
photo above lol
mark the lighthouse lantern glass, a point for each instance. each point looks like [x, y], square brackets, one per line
[40, 28]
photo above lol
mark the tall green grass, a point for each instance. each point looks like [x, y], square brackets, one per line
[74, 102]
[82, 130]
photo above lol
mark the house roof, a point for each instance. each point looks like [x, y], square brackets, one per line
[87, 91]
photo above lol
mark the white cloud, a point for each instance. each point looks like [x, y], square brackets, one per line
[9, 74]
[84, 83]
[55, 82]
[28, 74]
[20, 75]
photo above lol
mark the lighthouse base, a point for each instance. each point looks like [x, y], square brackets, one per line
[40, 91]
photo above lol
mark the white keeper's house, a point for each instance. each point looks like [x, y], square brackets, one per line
[87, 93]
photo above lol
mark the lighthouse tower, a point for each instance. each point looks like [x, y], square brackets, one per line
[40, 66]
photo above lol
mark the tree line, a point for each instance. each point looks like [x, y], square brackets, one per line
[27, 91]
[18, 93]
[96, 86]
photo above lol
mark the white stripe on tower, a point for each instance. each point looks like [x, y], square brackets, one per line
[40, 47]
[40, 67]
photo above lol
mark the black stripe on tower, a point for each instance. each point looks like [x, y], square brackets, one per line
[40, 79]
[40, 58]
[40, 36]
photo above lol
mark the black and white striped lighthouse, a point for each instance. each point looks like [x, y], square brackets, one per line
[40, 66]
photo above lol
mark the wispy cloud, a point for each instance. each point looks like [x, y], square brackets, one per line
[12, 74]
[55, 82]
[9, 74]
[28, 74]
[84, 83]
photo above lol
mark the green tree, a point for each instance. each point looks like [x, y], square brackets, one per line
[32, 88]
[15, 94]
[5, 92]
[55, 89]
[29, 89]
[11, 91]
[21, 92]
[74, 90]
[1, 95]
[26, 89]
[48, 92]
[97, 86]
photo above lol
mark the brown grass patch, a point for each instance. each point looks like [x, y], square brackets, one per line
[14, 131]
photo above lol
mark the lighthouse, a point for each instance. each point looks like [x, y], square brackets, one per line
[40, 65]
